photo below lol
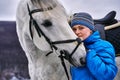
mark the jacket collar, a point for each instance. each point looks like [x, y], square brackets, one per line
[92, 38]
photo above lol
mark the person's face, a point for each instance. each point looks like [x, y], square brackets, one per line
[81, 31]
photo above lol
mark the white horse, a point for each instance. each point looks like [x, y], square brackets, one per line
[42, 28]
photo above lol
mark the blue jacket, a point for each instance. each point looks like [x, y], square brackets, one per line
[100, 60]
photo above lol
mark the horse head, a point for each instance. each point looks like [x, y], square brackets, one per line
[42, 28]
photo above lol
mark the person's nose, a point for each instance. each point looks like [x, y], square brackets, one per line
[77, 31]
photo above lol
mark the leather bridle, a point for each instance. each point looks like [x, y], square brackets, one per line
[63, 53]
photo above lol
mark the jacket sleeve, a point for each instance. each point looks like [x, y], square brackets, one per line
[101, 63]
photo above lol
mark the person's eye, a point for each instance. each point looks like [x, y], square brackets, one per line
[74, 29]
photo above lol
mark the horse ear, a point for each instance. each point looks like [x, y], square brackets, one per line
[69, 22]
[69, 19]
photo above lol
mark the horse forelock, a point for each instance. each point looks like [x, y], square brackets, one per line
[44, 4]
[50, 8]
[47, 5]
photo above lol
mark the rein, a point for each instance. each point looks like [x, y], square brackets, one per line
[63, 53]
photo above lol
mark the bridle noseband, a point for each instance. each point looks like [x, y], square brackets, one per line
[63, 53]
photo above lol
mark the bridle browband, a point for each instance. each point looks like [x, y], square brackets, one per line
[63, 54]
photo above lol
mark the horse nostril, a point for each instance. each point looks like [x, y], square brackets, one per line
[82, 61]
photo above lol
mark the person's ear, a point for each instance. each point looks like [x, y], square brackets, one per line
[91, 31]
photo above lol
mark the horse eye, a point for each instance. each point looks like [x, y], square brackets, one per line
[47, 23]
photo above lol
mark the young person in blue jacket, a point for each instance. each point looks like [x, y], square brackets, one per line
[100, 58]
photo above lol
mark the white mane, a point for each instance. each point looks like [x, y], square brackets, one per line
[42, 67]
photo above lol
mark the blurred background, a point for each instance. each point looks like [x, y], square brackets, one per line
[97, 8]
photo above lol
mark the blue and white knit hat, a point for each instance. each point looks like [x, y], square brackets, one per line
[84, 19]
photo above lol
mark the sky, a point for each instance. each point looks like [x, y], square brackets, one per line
[97, 8]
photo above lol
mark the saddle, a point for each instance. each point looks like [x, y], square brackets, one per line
[111, 35]
[109, 19]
